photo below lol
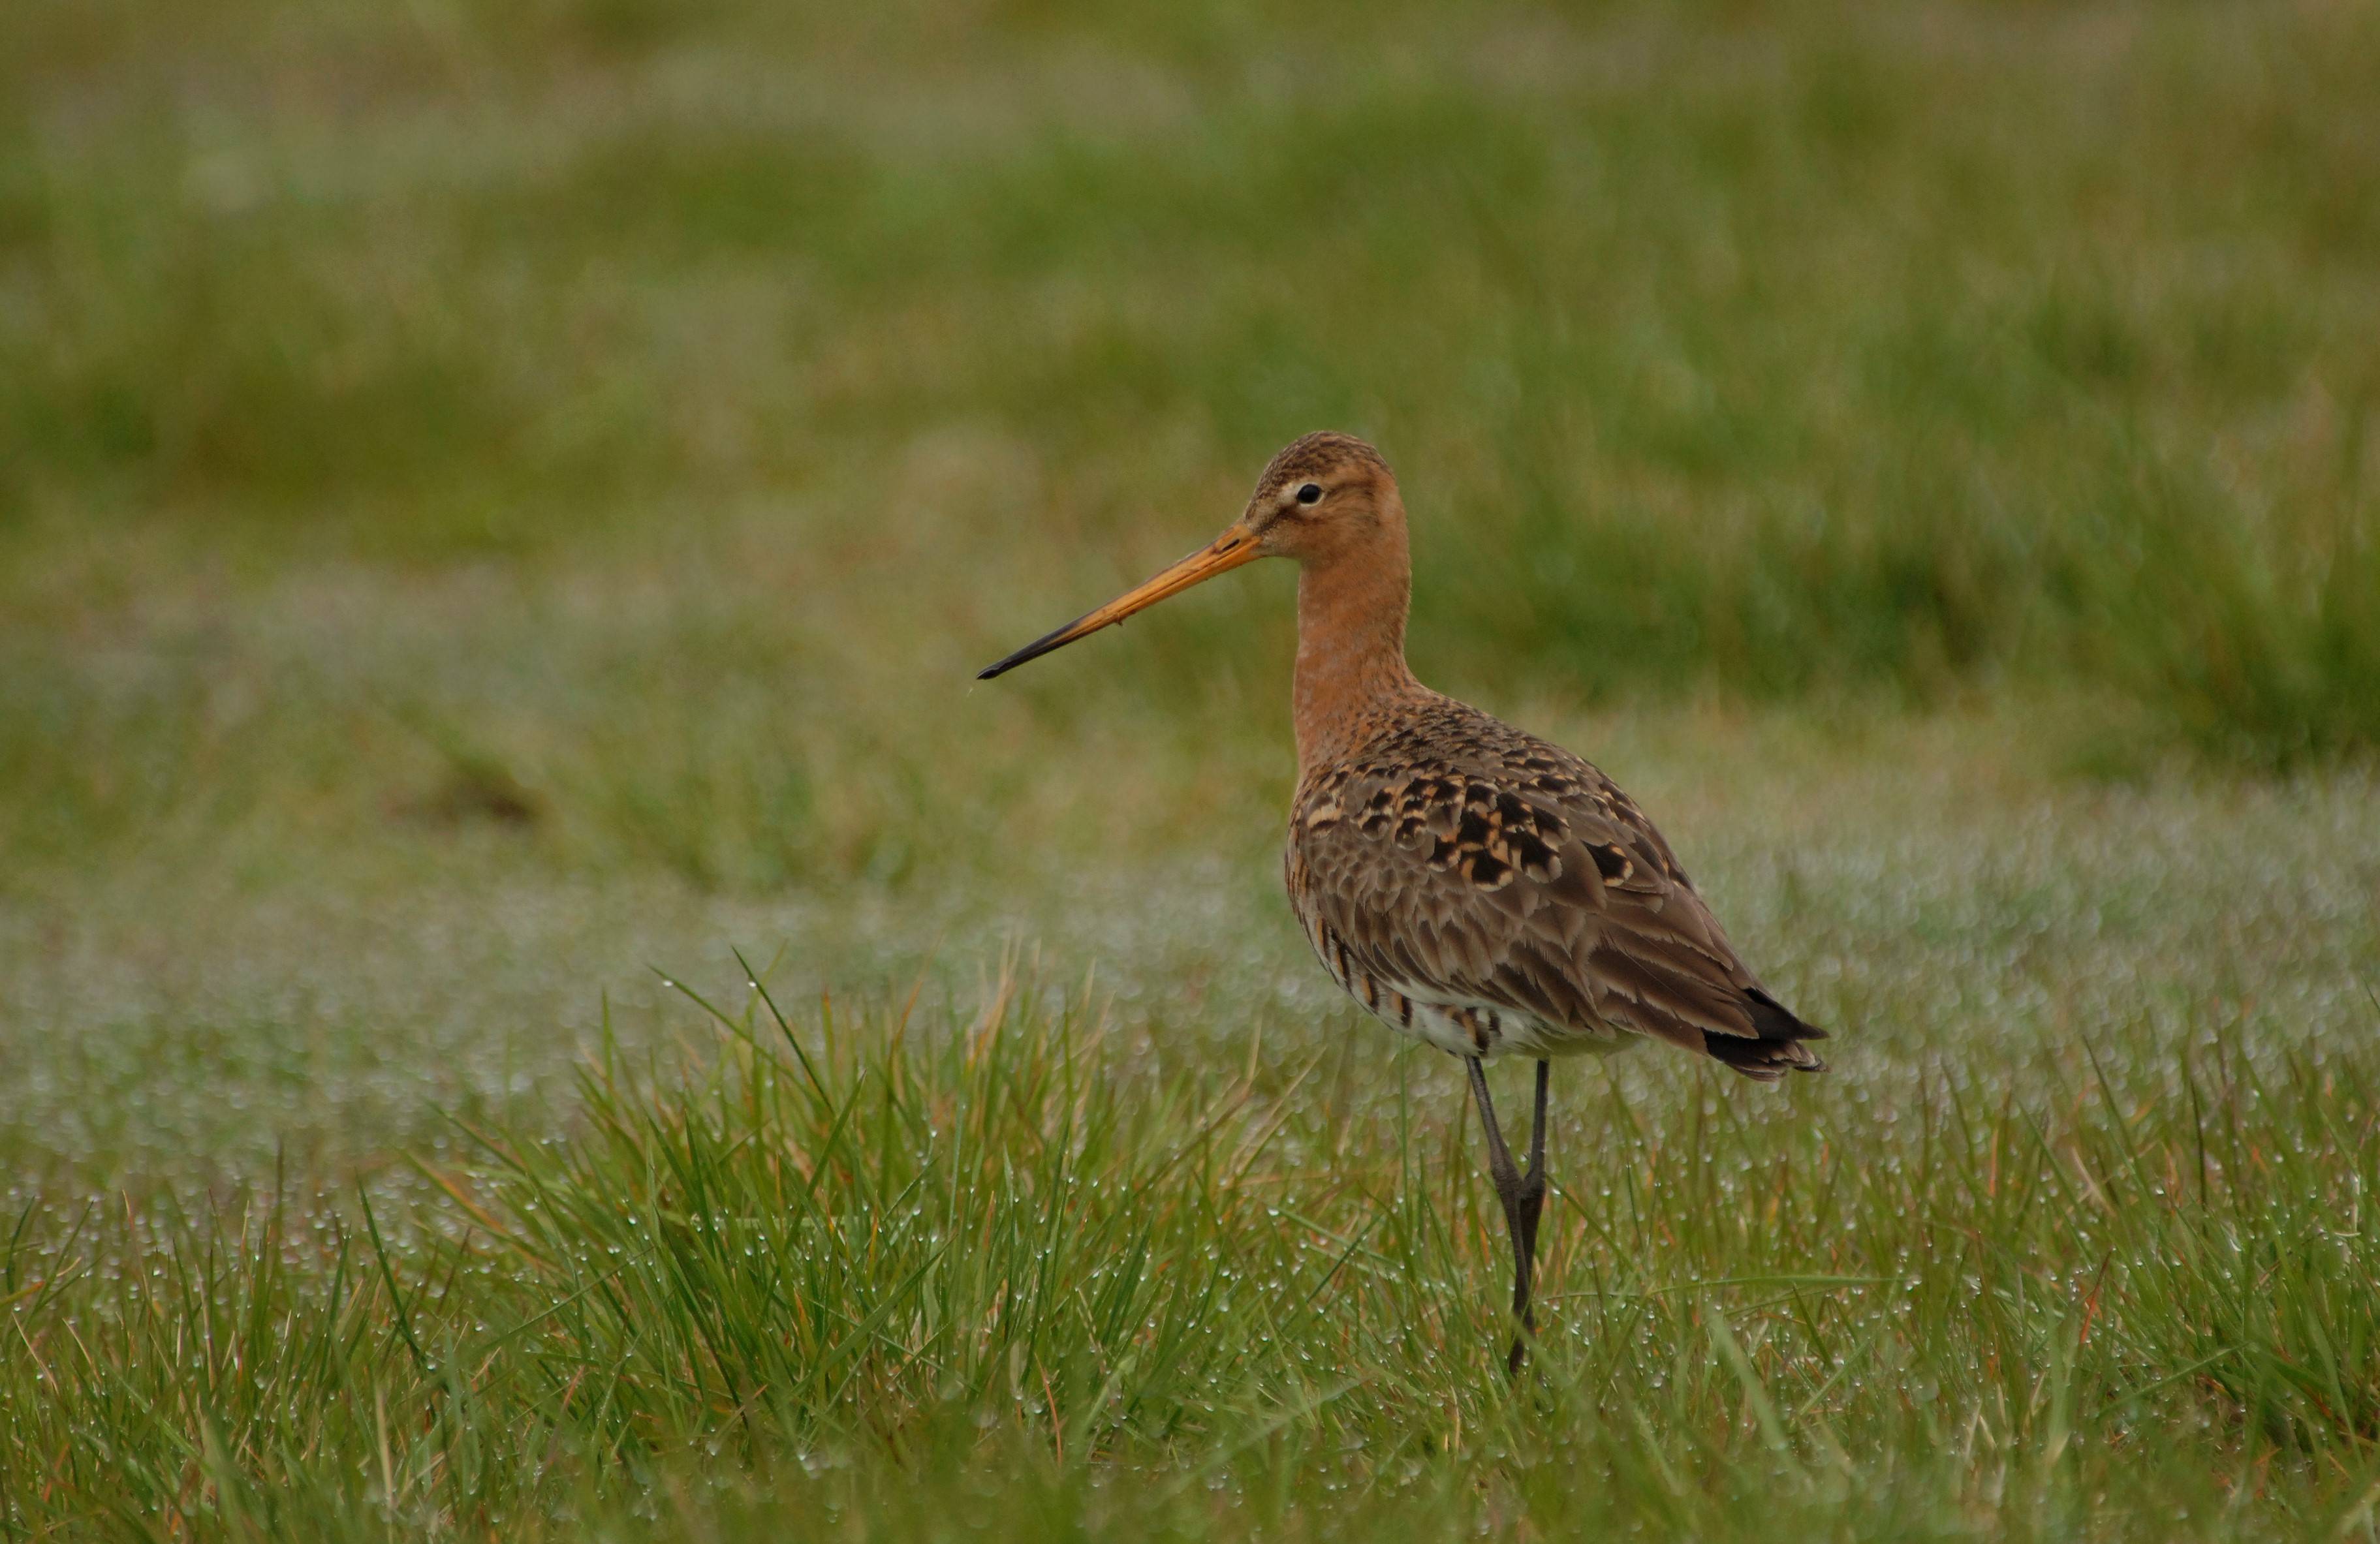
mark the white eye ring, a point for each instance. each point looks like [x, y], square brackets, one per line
[1310, 494]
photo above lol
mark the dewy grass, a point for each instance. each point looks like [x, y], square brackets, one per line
[985, 1276]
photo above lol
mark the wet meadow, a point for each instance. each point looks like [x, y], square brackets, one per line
[539, 999]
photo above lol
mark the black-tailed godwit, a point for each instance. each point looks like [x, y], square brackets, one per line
[1468, 884]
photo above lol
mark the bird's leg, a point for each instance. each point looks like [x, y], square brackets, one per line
[1530, 1204]
[1522, 1199]
[1533, 1183]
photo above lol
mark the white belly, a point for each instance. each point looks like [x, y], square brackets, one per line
[1457, 1029]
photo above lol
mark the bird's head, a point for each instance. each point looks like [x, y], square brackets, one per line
[1323, 496]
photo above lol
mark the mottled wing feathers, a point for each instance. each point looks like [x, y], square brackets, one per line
[1460, 862]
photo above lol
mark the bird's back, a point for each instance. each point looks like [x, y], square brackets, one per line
[1495, 894]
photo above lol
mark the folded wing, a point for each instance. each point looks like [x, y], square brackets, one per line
[1514, 874]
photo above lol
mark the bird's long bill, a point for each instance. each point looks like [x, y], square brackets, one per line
[1227, 551]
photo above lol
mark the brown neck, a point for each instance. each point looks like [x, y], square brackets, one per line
[1351, 643]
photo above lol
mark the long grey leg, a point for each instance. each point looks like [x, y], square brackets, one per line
[1532, 1202]
[1523, 1197]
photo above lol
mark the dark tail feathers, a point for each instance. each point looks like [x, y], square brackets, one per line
[1779, 1048]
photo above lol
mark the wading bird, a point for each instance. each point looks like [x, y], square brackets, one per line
[1468, 884]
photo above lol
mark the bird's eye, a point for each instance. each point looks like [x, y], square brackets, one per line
[1310, 494]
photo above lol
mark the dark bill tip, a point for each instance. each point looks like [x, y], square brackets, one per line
[1228, 550]
[1035, 649]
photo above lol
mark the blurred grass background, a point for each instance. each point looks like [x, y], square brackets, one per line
[660, 404]
[494, 496]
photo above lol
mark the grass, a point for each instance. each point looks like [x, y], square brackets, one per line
[493, 498]
[1900, 351]
[2070, 1241]
[1013, 1275]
